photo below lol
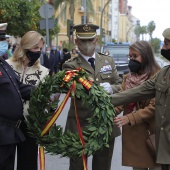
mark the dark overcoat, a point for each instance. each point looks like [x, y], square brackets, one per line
[12, 91]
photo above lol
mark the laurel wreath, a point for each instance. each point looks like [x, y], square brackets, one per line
[99, 129]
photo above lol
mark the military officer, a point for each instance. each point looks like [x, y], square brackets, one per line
[11, 107]
[102, 70]
[158, 87]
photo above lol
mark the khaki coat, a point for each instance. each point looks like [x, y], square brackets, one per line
[158, 87]
[99, 77]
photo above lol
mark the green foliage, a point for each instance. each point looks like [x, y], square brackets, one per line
[150, 28]
[155, 43]
[68, 7]
[96, 134]
[22, 16]
[141, 30]
[18, 15]
[113, 40]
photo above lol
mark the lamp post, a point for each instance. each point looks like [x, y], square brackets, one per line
[137, 24]
[128, 32]
[101, 30]
[85, 13]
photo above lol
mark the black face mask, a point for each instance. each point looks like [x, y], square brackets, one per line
[135, 66]
[166, 53]
[33, 57]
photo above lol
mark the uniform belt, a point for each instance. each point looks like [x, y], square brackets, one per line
[9, 122]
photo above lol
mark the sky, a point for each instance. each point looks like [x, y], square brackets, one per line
[152, 10]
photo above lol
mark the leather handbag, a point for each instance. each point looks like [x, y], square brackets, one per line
[150, 142]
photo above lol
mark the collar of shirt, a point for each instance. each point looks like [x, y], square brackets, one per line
[87, 57]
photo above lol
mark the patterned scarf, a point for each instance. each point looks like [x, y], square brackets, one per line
[134, 80]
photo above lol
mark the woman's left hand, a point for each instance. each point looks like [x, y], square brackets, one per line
[121, 120]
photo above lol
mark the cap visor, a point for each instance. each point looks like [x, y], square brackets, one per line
[86, 36]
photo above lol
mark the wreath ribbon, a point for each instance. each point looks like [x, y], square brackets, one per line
[42, 158]
[80, 130]
[69, 74]
[47, 127]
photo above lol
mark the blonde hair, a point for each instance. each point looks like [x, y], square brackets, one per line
[28, 41]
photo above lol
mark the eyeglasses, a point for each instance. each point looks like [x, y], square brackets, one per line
[133, 56]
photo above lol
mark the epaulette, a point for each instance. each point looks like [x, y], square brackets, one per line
[100, 53]
[103, 54]
[71, 59]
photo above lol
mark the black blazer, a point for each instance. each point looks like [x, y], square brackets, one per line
[49, 62]
[12, 91]
[66, 56]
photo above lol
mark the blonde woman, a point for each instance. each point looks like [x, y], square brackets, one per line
[26, 64]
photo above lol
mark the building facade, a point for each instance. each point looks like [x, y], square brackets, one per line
[81, 12]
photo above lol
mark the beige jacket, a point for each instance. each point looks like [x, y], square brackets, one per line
[134, 149]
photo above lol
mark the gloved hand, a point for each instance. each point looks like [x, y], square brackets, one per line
[107, 87]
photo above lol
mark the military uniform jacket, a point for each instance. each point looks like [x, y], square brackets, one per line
[11, 93]
[100, 75]
[158, 87]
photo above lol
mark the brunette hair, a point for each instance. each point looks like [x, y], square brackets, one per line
[28, 41]
[149, 64]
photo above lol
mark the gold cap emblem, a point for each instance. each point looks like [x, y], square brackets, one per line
[86, 28]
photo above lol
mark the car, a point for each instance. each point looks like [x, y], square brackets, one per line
[120, 52]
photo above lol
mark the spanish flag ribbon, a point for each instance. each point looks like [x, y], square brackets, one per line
[69, 74]
[56, 114]
[80, 133]
[47, 127]
[87, 84]
[42, 158]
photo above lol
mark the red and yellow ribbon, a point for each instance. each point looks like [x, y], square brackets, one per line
[56, 114]
[79, 129]
[69, 74]
[87, 84]
[42, 158]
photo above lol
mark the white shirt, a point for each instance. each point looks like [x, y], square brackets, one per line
[87, 57]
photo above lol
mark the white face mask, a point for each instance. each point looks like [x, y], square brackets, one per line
[87, 47]
[48, 52]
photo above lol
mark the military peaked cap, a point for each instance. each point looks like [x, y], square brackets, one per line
[166, 33]
[86, 31]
